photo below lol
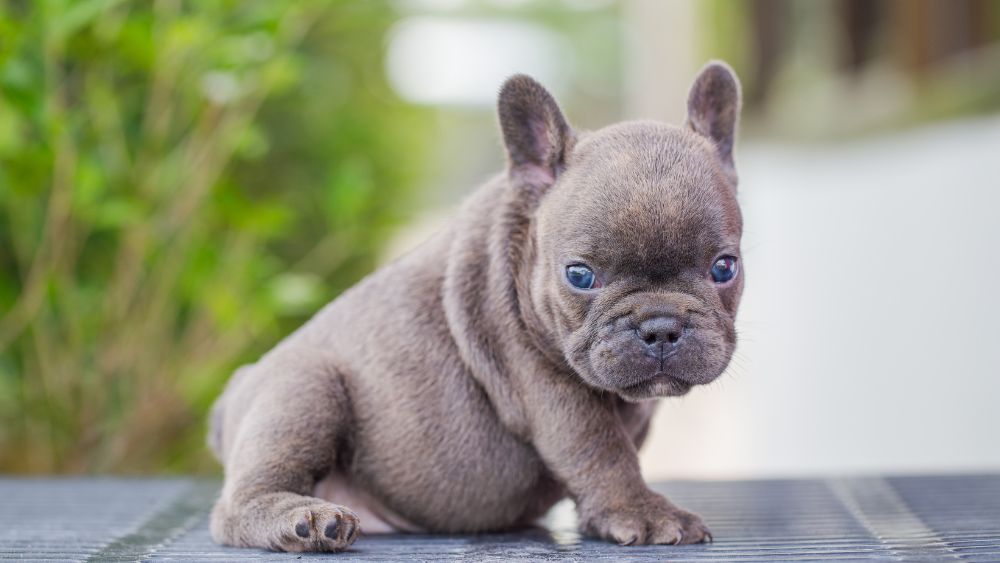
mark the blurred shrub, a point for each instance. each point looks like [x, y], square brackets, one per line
[181, 184]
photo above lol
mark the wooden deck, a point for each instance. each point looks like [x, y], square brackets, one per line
[942, 518]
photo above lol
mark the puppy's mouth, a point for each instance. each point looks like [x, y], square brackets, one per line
[660, 384]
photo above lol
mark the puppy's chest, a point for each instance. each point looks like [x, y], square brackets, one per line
[635, 418]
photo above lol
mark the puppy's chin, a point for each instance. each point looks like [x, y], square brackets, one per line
[660, 385]
[622, 380]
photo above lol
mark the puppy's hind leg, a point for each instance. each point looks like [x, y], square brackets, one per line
[293, 412]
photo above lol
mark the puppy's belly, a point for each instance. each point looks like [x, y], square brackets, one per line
[375, 517]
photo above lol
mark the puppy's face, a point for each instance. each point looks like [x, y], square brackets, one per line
[637, 273]
[638, 266]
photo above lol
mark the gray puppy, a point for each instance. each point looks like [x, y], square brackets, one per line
[508, 361]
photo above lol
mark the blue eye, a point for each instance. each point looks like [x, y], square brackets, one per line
[724, 269]
[580, 276]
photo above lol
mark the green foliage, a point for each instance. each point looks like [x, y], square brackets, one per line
[181, 184]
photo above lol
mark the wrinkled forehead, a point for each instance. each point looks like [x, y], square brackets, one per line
[645, 196]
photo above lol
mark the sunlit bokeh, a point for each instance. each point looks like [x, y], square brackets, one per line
[182, 184]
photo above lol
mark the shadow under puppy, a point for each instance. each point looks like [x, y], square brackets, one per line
[509, 361]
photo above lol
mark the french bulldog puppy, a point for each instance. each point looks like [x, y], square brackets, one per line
[512, 360]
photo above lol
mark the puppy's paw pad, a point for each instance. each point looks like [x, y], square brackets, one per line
[303, 528]
[322, 527]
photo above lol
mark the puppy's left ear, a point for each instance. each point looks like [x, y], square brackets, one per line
[714, 110]
[536, 134]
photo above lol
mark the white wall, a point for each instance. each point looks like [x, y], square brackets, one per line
[868, 328]
[869, 336]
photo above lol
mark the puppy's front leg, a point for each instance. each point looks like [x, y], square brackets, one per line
[582, 440]
[287, 415]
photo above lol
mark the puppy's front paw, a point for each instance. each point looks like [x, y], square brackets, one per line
[653, 520]
[320, 527]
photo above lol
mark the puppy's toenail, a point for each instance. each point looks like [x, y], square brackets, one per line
[331, 530]
[302, 529]
[348, 530]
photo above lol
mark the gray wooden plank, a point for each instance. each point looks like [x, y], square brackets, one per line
[893, 519]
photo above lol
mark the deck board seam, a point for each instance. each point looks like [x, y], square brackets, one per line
[163, 526]
[877, 506]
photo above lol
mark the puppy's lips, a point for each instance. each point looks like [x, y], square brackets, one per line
[671, 385]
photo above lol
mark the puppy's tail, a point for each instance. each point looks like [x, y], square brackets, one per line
[217, 417]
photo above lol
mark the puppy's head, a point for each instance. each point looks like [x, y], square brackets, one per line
[637, 273]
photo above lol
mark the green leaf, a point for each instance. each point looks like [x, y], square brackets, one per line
[78, 15]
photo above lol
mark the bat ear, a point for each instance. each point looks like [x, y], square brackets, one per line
[714, 110]
[535, 133]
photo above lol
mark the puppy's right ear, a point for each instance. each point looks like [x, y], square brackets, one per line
[535, 132]
[714, 110]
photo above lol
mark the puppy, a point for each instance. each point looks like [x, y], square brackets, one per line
[512, 360]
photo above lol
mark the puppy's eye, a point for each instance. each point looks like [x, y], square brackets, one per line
[724, 269]
[581, 277]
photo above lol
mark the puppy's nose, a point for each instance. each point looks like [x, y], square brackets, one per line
[665, 330]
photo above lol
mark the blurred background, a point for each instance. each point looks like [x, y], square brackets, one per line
[184, 183]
